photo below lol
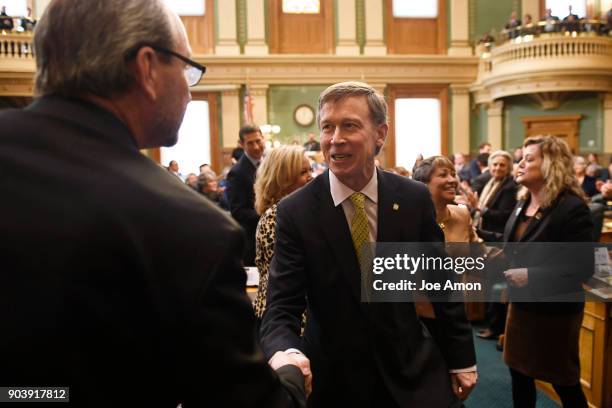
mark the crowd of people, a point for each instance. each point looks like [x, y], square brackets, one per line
[16, 23]
[549, 23]
[126, 285]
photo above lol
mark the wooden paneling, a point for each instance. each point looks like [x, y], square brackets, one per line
[201, 30]
[415, 91]
[416, 35]
[595, 357]
[566, 127]
[301, 33]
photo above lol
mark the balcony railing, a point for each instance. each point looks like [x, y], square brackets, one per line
[15, 45]
[569, 28]
[546, 62]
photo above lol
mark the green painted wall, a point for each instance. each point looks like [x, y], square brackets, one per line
[478, 127]
[282, 101]
[488, 14]
[586, 104]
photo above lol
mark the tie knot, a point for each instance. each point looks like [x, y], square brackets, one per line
[358, 200]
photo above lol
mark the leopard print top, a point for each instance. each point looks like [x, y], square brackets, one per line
[264, 249]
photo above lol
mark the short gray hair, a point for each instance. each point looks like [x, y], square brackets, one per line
[342, 90]
[83, 46]
[501, 153]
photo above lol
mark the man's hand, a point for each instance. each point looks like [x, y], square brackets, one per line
[282, 358]
[517, 277]
[463, 383]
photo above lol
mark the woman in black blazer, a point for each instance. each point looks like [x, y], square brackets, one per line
[542, 338]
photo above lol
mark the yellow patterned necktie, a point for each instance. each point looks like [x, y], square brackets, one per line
[359, 225]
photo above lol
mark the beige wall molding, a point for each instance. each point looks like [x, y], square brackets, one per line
[300, 69]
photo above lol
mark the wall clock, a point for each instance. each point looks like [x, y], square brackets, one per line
[304, 115]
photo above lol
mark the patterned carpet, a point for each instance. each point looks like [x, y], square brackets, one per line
[493, 389]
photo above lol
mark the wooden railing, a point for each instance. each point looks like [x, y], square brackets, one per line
[14, 45]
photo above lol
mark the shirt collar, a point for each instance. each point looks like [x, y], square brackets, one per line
[252, 160]
[341, 192]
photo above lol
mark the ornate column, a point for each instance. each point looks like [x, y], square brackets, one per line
[228, 39]
[460, 117]
[374, 44]
[347, 29]
[607, 125]
[256, 29]
[259, 95]
[460, 32]
[230, 115]
[495, 124]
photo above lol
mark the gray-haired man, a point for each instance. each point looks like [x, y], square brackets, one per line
[119, 281]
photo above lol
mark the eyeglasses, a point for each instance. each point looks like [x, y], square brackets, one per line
[193, 70]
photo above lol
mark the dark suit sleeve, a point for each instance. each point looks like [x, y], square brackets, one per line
[569, 265]
[286, 302]
[502, 209]
[454, 334]
[217, 342]
[240, 198]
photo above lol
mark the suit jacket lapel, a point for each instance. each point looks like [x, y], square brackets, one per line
[338, 236]
[512, 221]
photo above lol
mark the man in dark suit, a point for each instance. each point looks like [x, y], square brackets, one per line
[240, 193]
[484, 147]
[362, 354]
[118, 280]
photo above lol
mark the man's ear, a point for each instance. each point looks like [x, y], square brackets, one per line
[381, 136]
[145, 71]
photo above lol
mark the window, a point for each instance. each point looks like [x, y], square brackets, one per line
[417, 129]
[560, 8]
[302, 6]
[187, 7]
[415, 8]
[16, 8]
[193, 146]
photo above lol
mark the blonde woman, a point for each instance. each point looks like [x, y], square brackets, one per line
[285, 170]
[542, 338]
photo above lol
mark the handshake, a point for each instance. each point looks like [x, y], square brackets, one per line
[294, 357]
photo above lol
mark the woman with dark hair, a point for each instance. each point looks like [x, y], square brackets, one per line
[542, 338]
[438, 172]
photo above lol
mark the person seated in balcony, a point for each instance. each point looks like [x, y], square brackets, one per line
[28, 23]
[486, 38]
[571, 22]
[608, 26]
[511, 25]
[6, 21]
[551, 21]
[528, 28]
